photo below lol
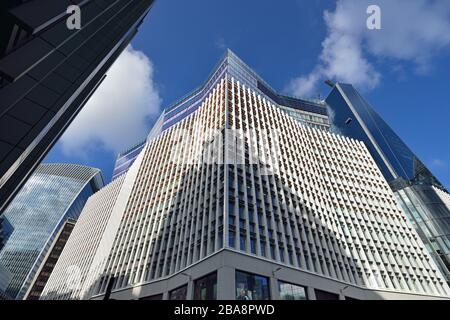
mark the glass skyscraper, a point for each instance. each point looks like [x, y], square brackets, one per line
[54, 194]
[48, 72]
[352, 116]
[421, 195]
[238, 195]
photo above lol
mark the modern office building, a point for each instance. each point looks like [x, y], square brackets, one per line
[126, 158]
[232, 197]
[47, 267]
[48, 72]
[90, 240]
[423, 198]
[312, 113]
[52, 195]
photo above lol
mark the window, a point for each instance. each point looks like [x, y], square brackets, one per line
[231, 209]
[242, 242]
[272, 251]
[231, 239]
[206, 288]
[179, 293]
[253, 245]
[241, 212]
[291, 291]
[251, 287]
[263, 248]
[324, 295]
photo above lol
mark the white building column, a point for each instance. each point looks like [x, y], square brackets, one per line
[274, 292]
[190, 290]
[311, 293]
[226, 283]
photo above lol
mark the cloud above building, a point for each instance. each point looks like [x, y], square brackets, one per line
[411, 32]
[118, 113]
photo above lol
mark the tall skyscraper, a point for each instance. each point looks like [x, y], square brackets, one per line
[313, 113]
[423, 198]
[48, 72]
[53, 194]
[235, 196]
[87, 249]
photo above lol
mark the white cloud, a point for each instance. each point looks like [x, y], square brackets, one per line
[117, 114]
[220, 44]
[438, 163]
[412, 31]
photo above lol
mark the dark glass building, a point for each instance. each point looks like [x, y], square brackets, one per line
[423, 198]
[5, 231]
[48, 72]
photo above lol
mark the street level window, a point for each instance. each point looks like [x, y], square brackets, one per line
[290, 291]
[206, 288]
[251, 286]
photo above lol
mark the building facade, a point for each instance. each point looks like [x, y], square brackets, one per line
[312, 113]
[54, 193]
[47, 267]
[222, 227]
[48, 72]
[73, 268]
[126, 158]
[233, 197]
[423, 198]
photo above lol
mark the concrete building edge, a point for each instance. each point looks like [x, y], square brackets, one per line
[226, 261]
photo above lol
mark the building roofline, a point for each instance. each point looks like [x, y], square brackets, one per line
[229, 53]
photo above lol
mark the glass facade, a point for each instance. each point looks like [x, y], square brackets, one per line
[430, 216]
[415, 187]
[53, 194]
[344, 122]
[48, 265]
[126, 159]
[324, 295]
[251, 286]
[353, 116]
[290, 291]
[178, 293]
[47, 72]
[5, 231]
[206, 288]
[313, 113]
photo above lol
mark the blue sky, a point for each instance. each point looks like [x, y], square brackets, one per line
[402, 70]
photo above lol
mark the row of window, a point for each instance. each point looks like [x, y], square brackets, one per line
[248, 287]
